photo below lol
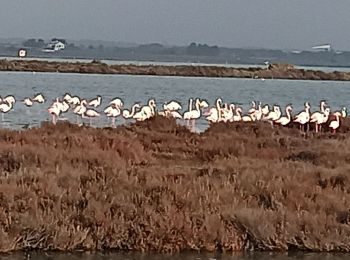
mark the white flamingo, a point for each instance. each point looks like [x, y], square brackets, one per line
[334, 124]
[91, 113]
[195, 114]
[39, 98]
[253, 107]
[80, 109]
[129, 114]
[215, 113]
[303, 117]
[186, 114]
[172, 106]
[117, 101]
[6, 105]
[146, 111]
[342, 113]
[57, 108]
[72, 100]
[113, 111]
[258, 113]
[9, 99]
[285, 120]
[28, 102]
[229, 113]
[96, 102]
[265, 110]
[274, 115]
[320, 118]
[54, 112]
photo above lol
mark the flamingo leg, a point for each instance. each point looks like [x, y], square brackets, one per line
[307, 127]
[2, 116]
[113, 121]
[316, 127]
[90, 121]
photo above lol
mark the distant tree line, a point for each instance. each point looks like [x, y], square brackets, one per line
[202, 49]
[40, 43]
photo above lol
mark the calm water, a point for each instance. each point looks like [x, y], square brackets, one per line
[187, 256]
[140, 88]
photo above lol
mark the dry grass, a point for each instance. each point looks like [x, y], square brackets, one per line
[156, 186]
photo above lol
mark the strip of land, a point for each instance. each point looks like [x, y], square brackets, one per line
[155, 186]
[275, 71]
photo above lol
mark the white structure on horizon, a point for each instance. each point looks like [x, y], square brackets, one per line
[55, 45]
[324, 47]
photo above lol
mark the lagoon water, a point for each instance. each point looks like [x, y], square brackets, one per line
[140, 88]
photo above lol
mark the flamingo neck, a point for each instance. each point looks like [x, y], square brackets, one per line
[288, 114]
[190, 105]
[133, 110]
[218, 108]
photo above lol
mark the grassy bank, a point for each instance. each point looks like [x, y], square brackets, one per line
[276, 71]
[156, 186]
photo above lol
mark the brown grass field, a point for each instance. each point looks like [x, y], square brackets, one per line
[155, 186]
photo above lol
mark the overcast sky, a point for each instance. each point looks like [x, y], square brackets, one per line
[285, 24]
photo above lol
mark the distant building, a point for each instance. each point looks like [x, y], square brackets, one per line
[22, 53]
[55, 45]
[324, 47]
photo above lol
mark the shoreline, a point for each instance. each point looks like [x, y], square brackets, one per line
[276, 71]
[154, 186]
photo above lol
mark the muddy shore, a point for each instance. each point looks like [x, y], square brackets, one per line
[276, 71]
[155, 186]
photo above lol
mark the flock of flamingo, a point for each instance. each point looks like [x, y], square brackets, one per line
[197, 108]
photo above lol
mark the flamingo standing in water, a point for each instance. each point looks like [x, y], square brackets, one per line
[6, 105]
[146, 111]
[171, 109]
[172, 106]
[96, 102]
[196, 113]
[117, 101]
[72, 100]
[91, 113]
[80, 109]
[39, 98]
[57, 108]
[113, 111]
[129, 114]
[28, 102]
[186, 114]
[215, 113]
